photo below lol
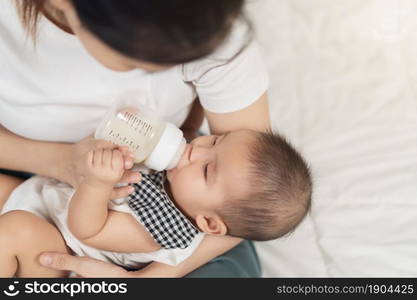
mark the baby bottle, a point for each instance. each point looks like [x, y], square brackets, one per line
[157, 144]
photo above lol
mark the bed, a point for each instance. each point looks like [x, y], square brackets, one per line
[343, 80]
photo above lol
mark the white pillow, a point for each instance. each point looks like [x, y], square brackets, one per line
[343, 90]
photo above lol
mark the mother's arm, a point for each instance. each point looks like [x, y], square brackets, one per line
[21, 154]
[57, 160]
[210, 247]
[255, 116]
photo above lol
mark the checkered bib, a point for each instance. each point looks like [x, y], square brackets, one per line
[158, 214]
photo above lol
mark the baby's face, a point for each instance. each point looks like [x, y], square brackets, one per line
[212, 169]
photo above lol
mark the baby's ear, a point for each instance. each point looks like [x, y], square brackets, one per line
[211, 225]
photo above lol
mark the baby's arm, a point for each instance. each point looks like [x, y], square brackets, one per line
[88, 207]
[89, 218]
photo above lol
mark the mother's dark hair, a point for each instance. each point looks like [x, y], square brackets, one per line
[157, 31]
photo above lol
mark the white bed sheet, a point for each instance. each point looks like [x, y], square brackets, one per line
[343, 89]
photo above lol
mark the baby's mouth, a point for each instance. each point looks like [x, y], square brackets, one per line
[186, 156]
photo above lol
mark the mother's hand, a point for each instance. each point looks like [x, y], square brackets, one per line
[72, 168]
[82, 266]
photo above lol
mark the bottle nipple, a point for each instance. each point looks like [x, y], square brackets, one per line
[168, 150]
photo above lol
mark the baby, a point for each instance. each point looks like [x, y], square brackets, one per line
[243, 183]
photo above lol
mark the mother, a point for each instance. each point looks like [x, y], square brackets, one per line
[191, 59]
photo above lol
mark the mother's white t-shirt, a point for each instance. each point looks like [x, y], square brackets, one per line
[58, 92]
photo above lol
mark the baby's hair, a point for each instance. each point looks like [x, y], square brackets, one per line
[279, 196]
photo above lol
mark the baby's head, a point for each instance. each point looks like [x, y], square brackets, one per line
[244, 183]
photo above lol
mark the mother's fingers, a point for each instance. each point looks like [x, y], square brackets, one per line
[82, 266]
[59, 261]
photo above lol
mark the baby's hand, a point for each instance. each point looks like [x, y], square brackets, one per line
[104, 167]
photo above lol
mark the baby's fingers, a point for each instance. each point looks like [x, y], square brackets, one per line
[131, 177]
[128, 162]
[107, 157]
[121, 192]
[117, 162]
[89, 158]
[97, 157]
[127, 156]
[123, 149]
